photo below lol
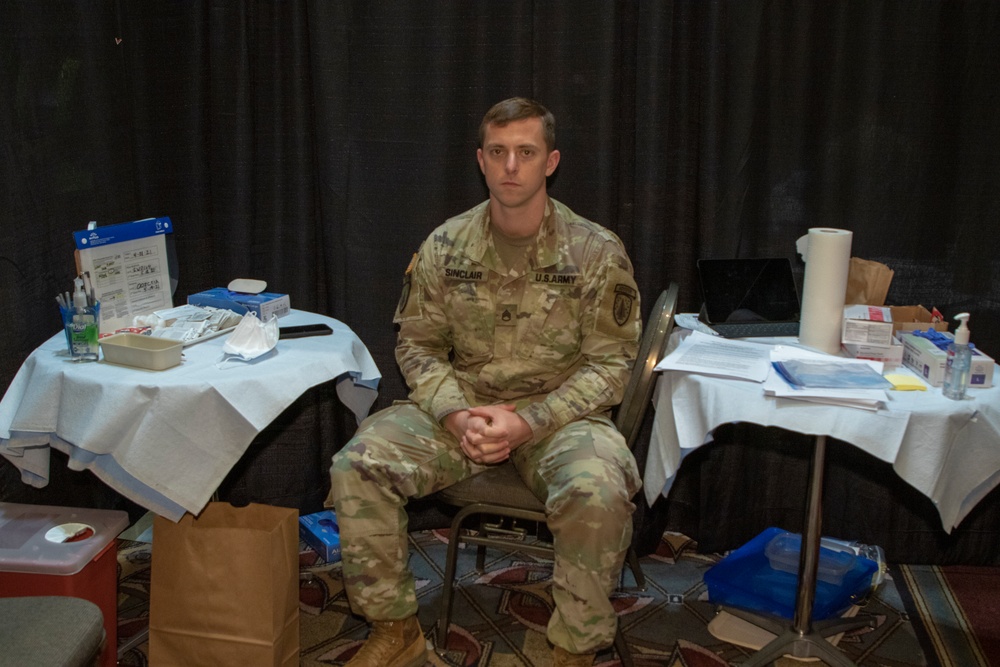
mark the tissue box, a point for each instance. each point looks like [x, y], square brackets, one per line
[928, 361]
[263, 305]
[891, 356]
[321, 533]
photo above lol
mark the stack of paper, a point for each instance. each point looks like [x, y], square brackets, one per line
[809, 376]
[822, 378]
[712, 355]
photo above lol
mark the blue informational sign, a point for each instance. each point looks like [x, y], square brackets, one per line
[125, 231]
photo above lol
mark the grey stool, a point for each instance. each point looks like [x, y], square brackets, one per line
[50, 631]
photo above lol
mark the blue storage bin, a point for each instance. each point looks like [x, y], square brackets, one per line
[745, 579]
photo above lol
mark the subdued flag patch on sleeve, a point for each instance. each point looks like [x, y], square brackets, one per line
[619, 303]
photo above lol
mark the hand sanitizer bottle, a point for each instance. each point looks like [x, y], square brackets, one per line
[959, 364]
[83, 327]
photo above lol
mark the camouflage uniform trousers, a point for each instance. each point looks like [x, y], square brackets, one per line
[584, 472]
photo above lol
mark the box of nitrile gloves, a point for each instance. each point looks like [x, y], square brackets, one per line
[263, 305]
[321, 532]
[928, 359]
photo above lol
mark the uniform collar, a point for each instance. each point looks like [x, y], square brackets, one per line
[547, 242]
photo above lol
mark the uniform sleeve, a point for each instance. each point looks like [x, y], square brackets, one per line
[425, 340]
[612, 324]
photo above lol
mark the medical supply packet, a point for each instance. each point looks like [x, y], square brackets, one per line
[830, 374]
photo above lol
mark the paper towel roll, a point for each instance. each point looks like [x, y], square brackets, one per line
[827, 254]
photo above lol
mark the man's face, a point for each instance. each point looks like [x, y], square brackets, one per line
[516, 162]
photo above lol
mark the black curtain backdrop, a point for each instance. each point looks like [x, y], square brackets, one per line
[314, 144]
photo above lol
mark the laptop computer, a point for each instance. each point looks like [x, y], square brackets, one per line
[749, 297]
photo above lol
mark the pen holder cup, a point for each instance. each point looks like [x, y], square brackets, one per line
[82, 327]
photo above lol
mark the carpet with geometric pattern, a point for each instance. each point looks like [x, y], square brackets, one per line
[499, 616]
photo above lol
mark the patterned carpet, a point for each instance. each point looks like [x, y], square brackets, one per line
[951, 600]
[500, 616]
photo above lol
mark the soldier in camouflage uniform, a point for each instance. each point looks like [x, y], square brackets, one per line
[518, 323]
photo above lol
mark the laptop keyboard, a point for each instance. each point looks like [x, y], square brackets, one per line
[756, 329]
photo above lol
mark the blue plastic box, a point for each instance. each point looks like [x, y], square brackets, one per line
[745, 579]
[263, 305]
[321, 532]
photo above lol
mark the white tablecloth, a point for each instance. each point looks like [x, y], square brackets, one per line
[166, 439]
[948, 450]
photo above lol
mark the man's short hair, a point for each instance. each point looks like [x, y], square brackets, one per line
[519, 108]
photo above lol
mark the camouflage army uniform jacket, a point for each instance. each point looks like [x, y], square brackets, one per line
[557, 341]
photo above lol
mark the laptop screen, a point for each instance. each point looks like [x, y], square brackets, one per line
[748, 290]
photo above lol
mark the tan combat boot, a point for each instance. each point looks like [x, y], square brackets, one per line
[563, 658]
[392, 644]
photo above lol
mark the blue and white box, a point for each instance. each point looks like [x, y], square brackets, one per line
[321, 532]
[263, 305]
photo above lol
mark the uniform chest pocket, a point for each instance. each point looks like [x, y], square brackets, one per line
[470, 308]
[552, 334]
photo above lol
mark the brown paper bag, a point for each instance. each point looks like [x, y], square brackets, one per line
[224, 588]
[867, 282]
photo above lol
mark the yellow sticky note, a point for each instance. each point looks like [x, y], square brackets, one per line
[902, 382]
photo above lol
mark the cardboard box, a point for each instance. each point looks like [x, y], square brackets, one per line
[321, 532]
[263, 305]
[913, 318]
[877, 325]
[891, 356]
[867, 325]
[928, 361]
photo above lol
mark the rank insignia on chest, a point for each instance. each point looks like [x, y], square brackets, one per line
[506, 315]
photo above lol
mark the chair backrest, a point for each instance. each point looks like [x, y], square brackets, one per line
[652, 346]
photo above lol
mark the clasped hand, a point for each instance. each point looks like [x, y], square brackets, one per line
[488, 433]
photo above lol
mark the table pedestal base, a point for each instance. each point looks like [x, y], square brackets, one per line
[805, 639]
[789, 641]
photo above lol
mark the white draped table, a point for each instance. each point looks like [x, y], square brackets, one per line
[166, 439]
[948, 450]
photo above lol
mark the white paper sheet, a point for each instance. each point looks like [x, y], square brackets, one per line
[713, 355]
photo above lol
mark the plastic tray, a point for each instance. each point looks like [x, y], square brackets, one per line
[149, 352]
[783, 554]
